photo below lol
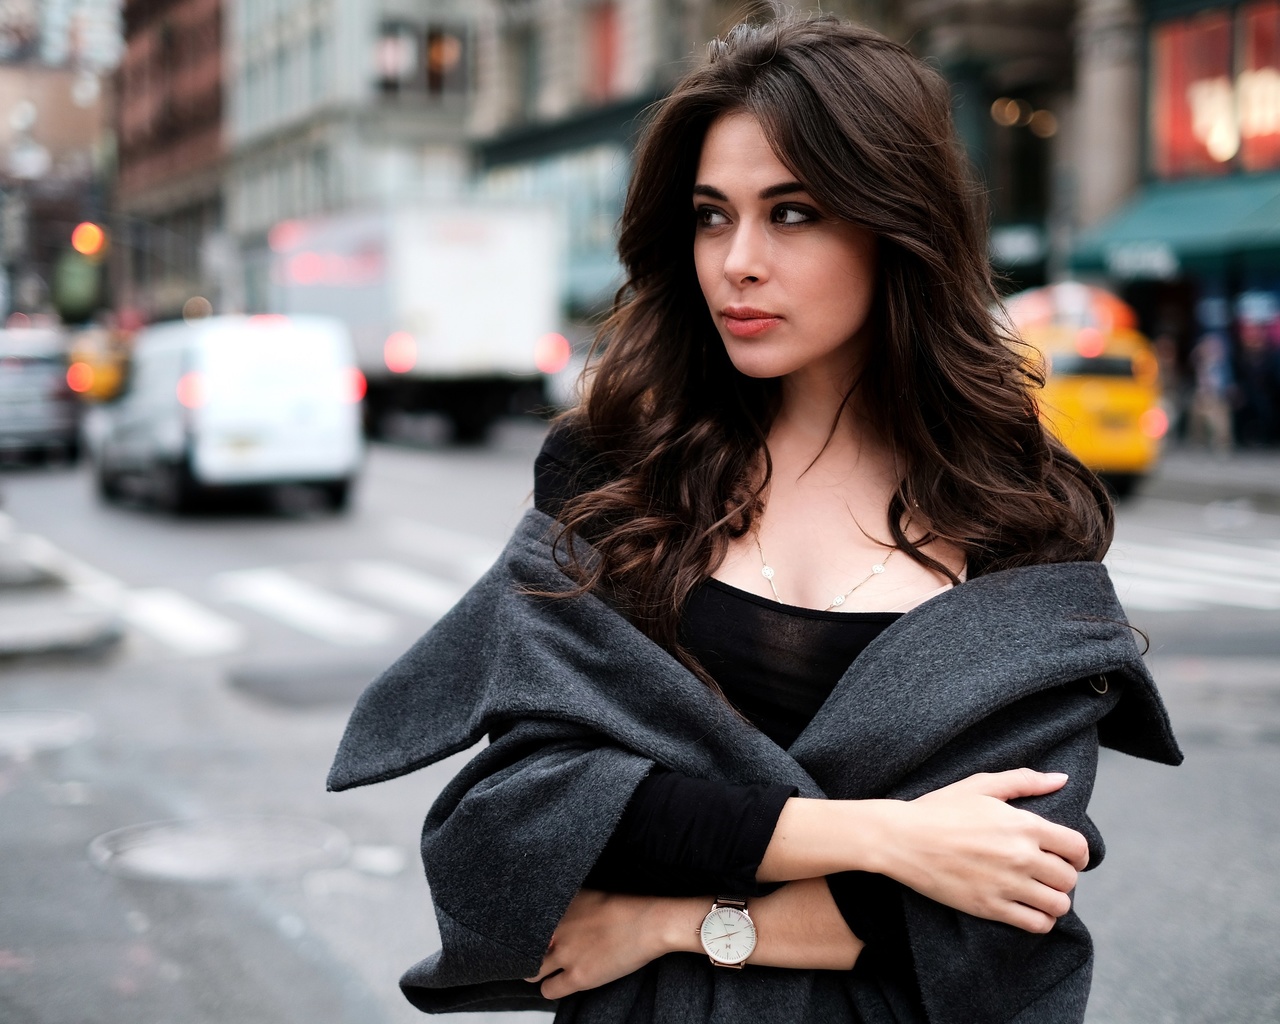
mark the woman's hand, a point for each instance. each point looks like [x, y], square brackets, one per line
[964, 846]
[604, 936]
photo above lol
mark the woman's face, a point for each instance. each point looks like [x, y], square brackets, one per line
[789, 286]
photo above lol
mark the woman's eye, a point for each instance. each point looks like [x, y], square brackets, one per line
[793, 215]
[710, 217]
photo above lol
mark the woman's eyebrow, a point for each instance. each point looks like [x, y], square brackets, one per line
[785, 188]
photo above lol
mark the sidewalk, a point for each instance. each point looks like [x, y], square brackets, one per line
[39, 612]
[1195, 475]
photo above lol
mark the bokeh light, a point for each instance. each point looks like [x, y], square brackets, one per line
[400, 352]
[80, 377]
[551, 353]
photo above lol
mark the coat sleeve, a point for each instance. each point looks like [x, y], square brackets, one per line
[956, 968]
[506, 847]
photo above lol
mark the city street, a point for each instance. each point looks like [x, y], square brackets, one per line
[248, 633]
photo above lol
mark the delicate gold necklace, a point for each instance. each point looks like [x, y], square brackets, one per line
[766, 570]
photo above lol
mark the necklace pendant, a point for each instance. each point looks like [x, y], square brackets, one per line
[837, 601]
[766, 571]
[877, 568]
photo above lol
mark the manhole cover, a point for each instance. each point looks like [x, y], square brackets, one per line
[220, 849]
[23, 733]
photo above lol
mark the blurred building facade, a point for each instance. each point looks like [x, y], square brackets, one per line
[54, 144]
[1195, 243]
[337, 106]
[168, 214]
[562, 85]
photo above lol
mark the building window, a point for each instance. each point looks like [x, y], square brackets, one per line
[319, 80]
[1215, 92]
[429, 60]
[602, 47]
[524, 61]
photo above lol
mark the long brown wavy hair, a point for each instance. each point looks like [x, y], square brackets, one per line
[678, 434]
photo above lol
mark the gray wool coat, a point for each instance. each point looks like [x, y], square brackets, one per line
[1000, 672]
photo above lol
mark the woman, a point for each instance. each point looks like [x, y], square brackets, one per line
[806, 598]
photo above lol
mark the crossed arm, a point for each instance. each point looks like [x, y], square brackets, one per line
[961, 845]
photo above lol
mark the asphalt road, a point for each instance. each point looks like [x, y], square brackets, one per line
[251, 630]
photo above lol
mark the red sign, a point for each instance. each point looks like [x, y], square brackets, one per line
[1193, 121]
[1215, 92]
[1258, 87]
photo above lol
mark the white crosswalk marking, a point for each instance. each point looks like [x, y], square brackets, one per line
[470, 555]
[180, 623]
[1158, 571]
[403, 589]
[305, 607]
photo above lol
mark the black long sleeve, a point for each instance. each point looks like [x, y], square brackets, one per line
[681, 836]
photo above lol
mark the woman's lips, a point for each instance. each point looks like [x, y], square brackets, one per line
[747, 323]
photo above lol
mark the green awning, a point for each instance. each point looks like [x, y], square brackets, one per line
[1172, 221]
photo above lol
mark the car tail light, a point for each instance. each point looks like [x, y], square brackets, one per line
[400, 352]
[191, 390]
[1154, 423]
[354, 385]
[551, 353]
[80, 377]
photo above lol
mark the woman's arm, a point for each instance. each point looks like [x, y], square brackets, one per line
[606, 936]
[962, 846]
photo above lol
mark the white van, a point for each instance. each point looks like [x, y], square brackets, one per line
[234, 401]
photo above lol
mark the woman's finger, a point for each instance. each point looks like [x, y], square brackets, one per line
[1016, 782]
[1067, 843]
[1027, 918]
[559, 985]
[1043, 898]
[547, 968]
[1056, 873]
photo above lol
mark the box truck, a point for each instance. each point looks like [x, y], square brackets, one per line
[454, 308]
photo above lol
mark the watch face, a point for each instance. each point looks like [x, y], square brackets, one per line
[728, 935]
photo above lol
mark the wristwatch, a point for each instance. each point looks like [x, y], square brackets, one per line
[728, 934]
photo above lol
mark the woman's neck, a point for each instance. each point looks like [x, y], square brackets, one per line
[801, 438]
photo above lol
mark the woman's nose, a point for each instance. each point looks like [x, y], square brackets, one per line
[747, 258]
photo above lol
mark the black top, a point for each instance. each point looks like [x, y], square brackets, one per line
[776, 664]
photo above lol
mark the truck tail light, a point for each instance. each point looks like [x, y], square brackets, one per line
[400, 352]
[551, 353]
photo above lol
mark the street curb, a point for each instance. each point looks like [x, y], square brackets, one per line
[56, 622]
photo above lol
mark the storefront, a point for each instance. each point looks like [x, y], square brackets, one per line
[1197, 250]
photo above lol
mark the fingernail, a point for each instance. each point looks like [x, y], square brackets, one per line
[1056, 776]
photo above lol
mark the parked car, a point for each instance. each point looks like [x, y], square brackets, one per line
[39, 413]
[1102, 390]
[233, 401]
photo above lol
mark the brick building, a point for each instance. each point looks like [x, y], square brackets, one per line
[168, 197]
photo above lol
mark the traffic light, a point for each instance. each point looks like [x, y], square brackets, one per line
[89, 239]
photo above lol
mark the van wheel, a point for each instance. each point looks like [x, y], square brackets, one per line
[174, 489]
[109, 489]
[337, 495]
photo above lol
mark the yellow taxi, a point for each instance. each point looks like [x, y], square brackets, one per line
[1102, 387]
